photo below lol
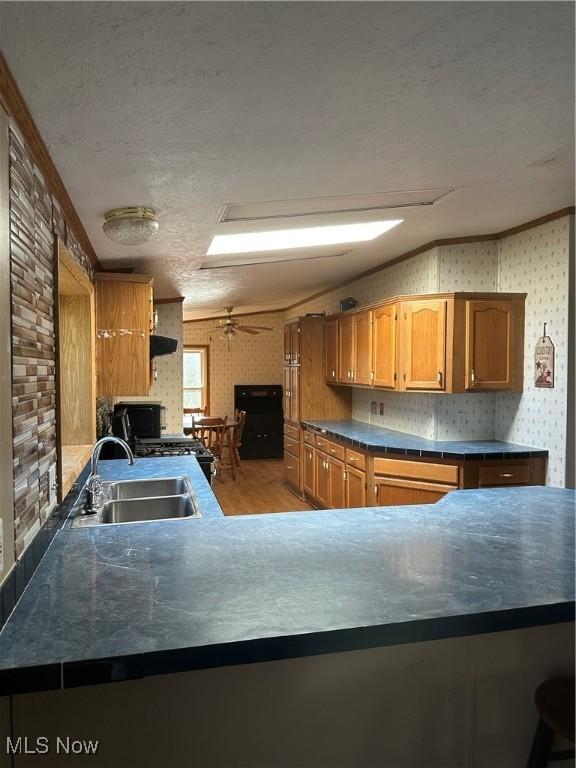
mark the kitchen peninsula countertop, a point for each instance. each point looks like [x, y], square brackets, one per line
[380, 440]
[118, 602]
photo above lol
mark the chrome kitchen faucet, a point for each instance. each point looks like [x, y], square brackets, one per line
[94, 484]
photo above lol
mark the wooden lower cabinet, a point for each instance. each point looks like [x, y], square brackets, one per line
[322, 475]
[309, 470]
[355, 487]
[292, 470]
[337, 482]
[390, 492]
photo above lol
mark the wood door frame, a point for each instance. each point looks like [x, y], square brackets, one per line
[63, 260]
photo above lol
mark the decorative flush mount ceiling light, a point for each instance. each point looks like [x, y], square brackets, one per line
[130, 226]
[282, 239]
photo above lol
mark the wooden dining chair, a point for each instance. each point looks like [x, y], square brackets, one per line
[239, 422]
[189, 430]
[214, 434]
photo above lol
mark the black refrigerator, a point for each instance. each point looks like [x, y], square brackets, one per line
[263, 430]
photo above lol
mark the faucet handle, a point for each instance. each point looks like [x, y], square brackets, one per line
[95, 494]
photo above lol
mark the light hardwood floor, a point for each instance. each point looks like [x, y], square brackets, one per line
[258, 488]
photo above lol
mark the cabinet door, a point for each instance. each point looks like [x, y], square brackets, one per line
[331, 350]
[295, 343]
[345, 349]
[292, 470]
[308, 471]
[490, 345]
[337, 481]
[362, 369]
[322, 478]
[287, 343]
[295, 394]
[287, 403]
[392, 492]
[122, 337]
[423, 344]
[355, 487]
[384, 346]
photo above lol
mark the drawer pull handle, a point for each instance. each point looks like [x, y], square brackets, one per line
[506, 474]
[473, 376]
[440, 378]
[333, 374]
[352, 458]
[289, 467]
[332, 450]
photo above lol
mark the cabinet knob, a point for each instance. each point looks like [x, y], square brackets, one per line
[333, 374]
[473, 376]
[506, 474]
[440, 377]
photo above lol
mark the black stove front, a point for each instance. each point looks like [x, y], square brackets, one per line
[176, 446]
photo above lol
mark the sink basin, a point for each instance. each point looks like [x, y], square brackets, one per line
[137, 501]
[139, 489]
[155, 508]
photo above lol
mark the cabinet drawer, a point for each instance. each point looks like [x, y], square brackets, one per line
[417, 470]
[291, 446]
[503, 475]
[331, 448]
[309, 437]
[355, 459]
[292, 470]
[291, 431]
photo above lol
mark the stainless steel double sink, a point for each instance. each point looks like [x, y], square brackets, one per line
[138, 501]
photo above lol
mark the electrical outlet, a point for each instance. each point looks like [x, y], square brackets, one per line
[381, 409]
[52, 487]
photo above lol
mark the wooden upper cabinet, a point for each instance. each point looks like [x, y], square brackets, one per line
[493, 339]
[331, 350]
[423, 344]
[287, 344]
[384, 346]
[295, 343]
[346, 349]
[123, 323]
[362, 372]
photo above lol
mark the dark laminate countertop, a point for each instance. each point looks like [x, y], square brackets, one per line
[378, 439]
[119, 602]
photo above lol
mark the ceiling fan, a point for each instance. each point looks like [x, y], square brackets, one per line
[228, 326]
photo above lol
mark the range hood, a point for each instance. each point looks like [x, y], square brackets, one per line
[162, 345]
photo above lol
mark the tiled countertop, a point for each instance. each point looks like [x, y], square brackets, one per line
[121, 602]
[378, 439]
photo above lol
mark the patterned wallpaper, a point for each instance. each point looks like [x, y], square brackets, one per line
[249, 360]
[34, 218]
[168, 385]
[536, 261]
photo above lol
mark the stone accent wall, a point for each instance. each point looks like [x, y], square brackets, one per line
[32, 226]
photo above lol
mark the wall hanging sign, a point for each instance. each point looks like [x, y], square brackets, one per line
[544, 362]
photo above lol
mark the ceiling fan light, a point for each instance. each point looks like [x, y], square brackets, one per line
[131, 226]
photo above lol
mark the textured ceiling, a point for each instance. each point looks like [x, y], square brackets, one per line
[188, 106]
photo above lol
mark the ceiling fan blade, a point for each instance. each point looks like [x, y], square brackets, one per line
[246, 329]
[256, 327]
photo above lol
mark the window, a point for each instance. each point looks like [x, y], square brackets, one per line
[195, 379]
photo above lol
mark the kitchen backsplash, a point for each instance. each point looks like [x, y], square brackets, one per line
[34, 218]
[534, 261]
